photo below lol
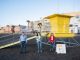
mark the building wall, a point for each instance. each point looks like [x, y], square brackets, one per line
[8, 29]
[45, 25]
[72, 13]
[59, 24]
[75, 24]
[53, 23]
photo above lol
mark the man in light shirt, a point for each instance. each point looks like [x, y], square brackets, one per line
[23, 41]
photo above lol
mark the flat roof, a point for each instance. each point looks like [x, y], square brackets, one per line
[54, 15]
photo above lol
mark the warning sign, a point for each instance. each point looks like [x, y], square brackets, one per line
[61, 48]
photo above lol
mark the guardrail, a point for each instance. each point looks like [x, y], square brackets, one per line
[14, 43]
[6, 36]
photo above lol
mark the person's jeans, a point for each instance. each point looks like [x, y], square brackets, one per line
[23, 46]
[39, 47]
[52, 45]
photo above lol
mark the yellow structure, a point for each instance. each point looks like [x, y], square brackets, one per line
[60, 25]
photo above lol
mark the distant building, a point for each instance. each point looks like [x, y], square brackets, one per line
[45, 25]
[75, 24]
[7, 28]
[22, 28]
[72, 13]
[74, 21]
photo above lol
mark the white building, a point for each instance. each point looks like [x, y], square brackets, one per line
[75, 24]
[45, 25]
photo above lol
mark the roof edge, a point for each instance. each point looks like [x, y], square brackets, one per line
[53, 15]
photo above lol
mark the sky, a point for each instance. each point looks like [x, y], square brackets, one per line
[18, 11]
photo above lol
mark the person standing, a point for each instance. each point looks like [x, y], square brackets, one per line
[39, 44]
[52, 41]
[23, 42]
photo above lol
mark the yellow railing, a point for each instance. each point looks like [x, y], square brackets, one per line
[14, 43]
